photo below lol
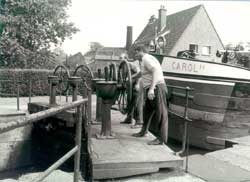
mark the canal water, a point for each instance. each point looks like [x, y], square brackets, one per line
[176, 146]
[51, 155]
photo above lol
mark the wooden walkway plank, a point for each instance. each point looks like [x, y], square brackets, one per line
[127, 155]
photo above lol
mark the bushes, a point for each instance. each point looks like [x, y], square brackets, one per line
[39, 80]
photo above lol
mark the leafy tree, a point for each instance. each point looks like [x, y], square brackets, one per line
[229, 46]
[28, 28]
[60, 55]
[94, 46]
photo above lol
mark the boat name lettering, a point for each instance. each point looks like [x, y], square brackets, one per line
[187, 67]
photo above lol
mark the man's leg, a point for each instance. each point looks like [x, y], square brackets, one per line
[131, 109]
[164, 124]
[138, 111]
[140, 104]
[162, 116]
[147, 117]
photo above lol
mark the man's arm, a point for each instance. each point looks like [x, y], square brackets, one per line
[137, 85]
[151, 67]
[137, 71]
[137, 75]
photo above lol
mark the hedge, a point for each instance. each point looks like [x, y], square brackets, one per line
[10, 77]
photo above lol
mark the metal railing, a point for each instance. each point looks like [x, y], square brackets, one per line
[17, 94]
[185, 139]
[32, 118]
[30, 82]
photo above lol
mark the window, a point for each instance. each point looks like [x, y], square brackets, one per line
[193, 47]
[206, 50]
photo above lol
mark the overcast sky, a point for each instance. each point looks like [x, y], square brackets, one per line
[105, 21]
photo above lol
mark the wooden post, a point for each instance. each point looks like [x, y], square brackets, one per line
[53, 81]
[78, 143]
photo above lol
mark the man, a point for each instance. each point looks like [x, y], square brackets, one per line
[155, 90]
[135, 109]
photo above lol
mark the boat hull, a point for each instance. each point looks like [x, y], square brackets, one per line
[219, 106]
[209, 130]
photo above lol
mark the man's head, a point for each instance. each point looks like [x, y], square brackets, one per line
[123, 57]
[140, 50]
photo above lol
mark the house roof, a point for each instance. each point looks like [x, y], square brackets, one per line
[89, 54]
[176, 24]
[107, 53]
[74, 56]
[76, 59]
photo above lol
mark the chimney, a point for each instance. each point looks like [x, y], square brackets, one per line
[162, 19]
[129, 40]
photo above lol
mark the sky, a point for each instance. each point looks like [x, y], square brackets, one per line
[106, 21]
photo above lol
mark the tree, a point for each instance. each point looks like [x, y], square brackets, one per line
[94, 46]
[60, 55]
[90, 54]
[28, 28]
[229, 46]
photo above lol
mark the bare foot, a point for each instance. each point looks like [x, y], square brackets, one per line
[155, 142]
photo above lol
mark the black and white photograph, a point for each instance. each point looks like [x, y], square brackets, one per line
[124, 91]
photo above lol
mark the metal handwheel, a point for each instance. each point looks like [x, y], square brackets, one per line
[125, 87]
[112, 72]
[63, 73]
[85, 73]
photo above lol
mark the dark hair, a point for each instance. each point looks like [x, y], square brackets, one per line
[141, 48]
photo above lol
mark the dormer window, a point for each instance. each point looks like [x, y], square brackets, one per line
[206, 50]
[194, 48]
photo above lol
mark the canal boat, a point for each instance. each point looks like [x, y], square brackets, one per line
[219, 105]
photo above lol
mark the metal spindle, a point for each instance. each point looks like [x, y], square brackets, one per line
[67, 95]
[18, 94]
[30, 90]
[89, 105]
[78, 143]
[184, 138]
